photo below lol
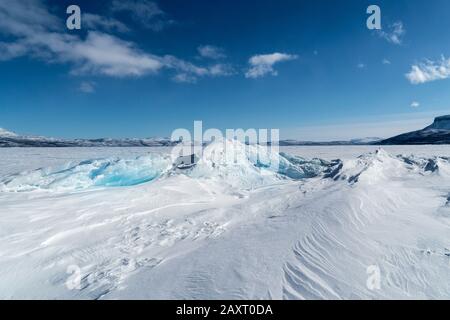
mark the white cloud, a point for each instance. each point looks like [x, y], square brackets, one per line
[429, 71]
[184, 78]
[211, 52]
[395, 33]
[386, 61]
[13, 14]
[35, 32]
[145, 12]
[99, 53]
[94, 21]
[184, 66]
[189, 72]
[262, 64]
[415, 104]
[360, 65]
[11, 50]
[221, 69]
[105, 54]
[87, 87]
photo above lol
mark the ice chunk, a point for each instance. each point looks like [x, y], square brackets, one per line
[228, 161]
[90, 173]
[249, 166]
[296, 167]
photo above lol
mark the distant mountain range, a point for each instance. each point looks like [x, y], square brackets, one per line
[11, 139]
[363, 141]
[436, 133]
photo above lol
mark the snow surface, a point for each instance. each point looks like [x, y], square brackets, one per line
[228, 228]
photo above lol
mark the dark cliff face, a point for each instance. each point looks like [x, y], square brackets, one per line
[440, 123]
[436, 133]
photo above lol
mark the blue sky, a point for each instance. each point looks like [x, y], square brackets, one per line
[144, 68]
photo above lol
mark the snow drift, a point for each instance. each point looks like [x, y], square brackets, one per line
[229, 228]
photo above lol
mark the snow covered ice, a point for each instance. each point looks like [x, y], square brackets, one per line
[89, 173]
[134, 226]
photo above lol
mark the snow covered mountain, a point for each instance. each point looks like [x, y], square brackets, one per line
[10, 139]
[6, 133]
[436, 133]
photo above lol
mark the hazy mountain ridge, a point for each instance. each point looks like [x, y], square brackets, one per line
[11, 139]
[362, 141]
[436, 133]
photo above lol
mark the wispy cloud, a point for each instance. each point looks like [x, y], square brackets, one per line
[98, 53]
[147, 13]
[94, 21]
[386, 61]
[415, 104]
[87, 87]
[221, 70]
[429, 71]
[361, 65]
[13, 14]
[33, 31]
[394, 34]
[263, 64]
[184, 78]
[10, 51]
[189, 73]
[211, 52]
[108, 55]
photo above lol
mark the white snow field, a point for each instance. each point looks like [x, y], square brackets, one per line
[122, 223]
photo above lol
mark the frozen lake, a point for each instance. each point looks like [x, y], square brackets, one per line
[14, 160]
[371, 225]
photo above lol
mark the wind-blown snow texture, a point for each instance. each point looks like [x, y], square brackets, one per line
[228, 228]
